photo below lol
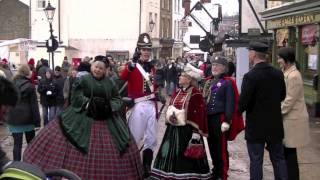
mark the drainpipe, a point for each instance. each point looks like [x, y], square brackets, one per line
[140, 16]
[30, 25]
[59, 21]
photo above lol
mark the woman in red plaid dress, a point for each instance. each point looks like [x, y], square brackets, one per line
[89, 138]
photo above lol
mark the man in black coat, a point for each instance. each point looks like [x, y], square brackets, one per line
[262, 90]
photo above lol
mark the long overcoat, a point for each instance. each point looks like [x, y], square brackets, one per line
[294, 111]
[263, 89]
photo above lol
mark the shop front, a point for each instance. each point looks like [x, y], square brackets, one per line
[297, 25]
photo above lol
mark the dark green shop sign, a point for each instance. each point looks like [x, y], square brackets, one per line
[293, 20]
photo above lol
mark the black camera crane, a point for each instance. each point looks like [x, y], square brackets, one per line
[210, 43]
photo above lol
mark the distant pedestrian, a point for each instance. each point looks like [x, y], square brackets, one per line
[34, 78]
[67, 87]
[294, 111]
[59, 81]
[263, 89]
[25, 116]
[66, 65]
[48, 91]
[4, 66]
[43, 68]
[171, 77]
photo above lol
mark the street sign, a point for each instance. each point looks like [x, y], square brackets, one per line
[52, 44]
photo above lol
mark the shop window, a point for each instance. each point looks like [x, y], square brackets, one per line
[308, 40]
[311, 55]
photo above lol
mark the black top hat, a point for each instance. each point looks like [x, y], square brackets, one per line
[144, 41]
[258, 47]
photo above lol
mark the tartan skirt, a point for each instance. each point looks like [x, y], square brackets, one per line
[51, 150]
[171, 163]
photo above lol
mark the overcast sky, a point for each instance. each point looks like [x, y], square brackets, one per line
[229, 7]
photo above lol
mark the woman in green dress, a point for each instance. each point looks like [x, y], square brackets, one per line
[171, 161]
[90, 138]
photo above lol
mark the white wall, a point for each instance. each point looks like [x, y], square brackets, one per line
[177, 15]
[242, 67]
[103, 19]
[153, 7]
[40, 25]
[99, 25]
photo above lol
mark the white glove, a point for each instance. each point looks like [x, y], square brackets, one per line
[39, 77]
[49, 93]
[196, 136]
[225, 127]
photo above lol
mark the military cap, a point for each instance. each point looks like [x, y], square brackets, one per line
[258, 47]
[144, 41]
[219, 60]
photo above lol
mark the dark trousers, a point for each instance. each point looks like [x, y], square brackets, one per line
[290, 155]
[256, 153]
[18, 139]
[218, 147]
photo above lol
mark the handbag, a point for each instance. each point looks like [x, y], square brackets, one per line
[178, 117]
[195, 150]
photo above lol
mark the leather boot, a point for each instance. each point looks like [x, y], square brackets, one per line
[147, 160]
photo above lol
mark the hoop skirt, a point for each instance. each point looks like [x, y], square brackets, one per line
[51, 149]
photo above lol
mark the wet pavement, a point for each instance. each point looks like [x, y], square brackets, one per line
[309, 156]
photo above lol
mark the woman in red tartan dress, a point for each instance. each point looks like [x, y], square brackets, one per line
[89, 138]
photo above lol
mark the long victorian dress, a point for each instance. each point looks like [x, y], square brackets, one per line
[89, 138]
[171, 162]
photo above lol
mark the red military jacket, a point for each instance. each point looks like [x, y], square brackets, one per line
[136, 83]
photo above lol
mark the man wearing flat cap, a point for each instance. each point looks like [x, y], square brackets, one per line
[263, 89]
[221, 97]
[142, 90]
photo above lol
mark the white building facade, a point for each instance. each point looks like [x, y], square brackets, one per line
[96, 27]
[177, 30]
[150, 23]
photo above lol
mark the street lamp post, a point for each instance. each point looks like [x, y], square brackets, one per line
[151, 25]
[52, 43]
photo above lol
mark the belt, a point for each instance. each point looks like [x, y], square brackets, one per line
[144, 98]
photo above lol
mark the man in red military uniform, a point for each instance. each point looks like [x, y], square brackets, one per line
[141, 89]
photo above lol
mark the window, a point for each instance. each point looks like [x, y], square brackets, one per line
[175, 29]
[150, 16]
[41, 4]
[155, 21]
